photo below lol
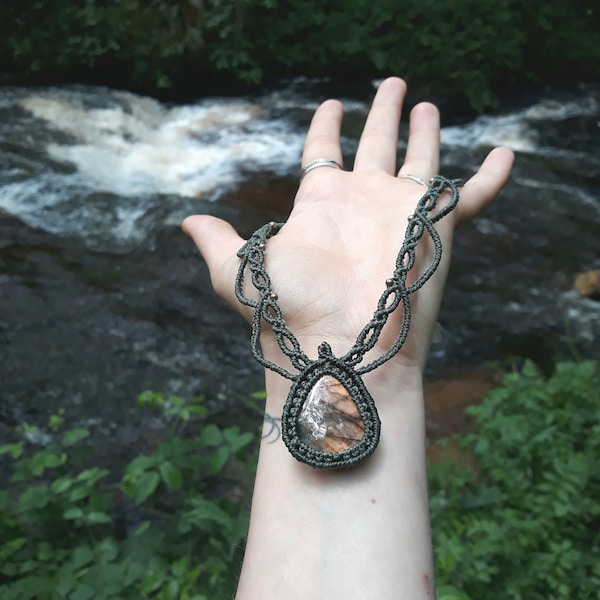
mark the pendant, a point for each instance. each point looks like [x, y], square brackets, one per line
[329, 420]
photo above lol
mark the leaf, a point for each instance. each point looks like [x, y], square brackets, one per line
[11, 547]
[81, 556]
[211, 436]
[152, 581]
[107, 550]
[75, 435]
[93, 475]
[206, 511]
[145, 486]
[97, 517]
[171, 475]
[52, 460]
[65, 582]
[62, 484]
[235, 439]
[218, 459]
[15, 450]
[134, 573]
[79, 493]
[55, 422]
[45, 459]
[149, 398]
[198, 410]
[139, 464]
[142, 528]
[73, 513]
[82, 592]
[34, 497]
[175, 403]
[179, 567]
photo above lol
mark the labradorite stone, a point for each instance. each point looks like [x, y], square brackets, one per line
[329, 420]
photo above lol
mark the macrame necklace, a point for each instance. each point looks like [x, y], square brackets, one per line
[329, 419]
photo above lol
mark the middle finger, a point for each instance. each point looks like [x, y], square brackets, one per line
[378, 144]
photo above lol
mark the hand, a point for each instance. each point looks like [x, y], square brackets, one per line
[367, 528]
[328, 265]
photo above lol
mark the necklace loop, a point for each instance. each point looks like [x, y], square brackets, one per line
[329, 419]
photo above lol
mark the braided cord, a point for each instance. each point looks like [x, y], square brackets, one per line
[396, 293]
[252, 255]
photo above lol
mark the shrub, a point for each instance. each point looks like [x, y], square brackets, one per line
[457, 49]
[170, 526]
[526, 524]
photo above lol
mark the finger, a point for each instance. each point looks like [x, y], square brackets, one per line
[423, 149]
[481, 189]
[323, 137]
[378, 144]
[218, 242]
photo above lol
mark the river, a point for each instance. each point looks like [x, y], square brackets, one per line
[101, 295]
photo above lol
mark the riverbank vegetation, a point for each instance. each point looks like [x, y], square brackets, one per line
[518, 519]
[465, 50]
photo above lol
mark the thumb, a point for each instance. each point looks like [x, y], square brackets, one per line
[485, 185]
[218, 243]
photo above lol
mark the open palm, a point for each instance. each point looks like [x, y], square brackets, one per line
[329, 263]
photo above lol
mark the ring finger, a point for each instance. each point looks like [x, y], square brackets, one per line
[423, 149]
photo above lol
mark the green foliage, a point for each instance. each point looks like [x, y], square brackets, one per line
[459, 49]
[526, 524]
[171, 526]
[143, 36]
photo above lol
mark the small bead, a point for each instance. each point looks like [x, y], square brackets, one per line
[273, 296]
[262, 245]
[273, 225]
[389, 282]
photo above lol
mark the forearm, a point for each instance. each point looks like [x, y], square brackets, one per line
[345, 250]
[356, 533]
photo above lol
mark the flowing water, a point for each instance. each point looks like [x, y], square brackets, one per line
[101, 296]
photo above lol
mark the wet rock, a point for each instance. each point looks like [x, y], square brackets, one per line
[445, 402]
[588, 284]
[447, 398]
[88, 331]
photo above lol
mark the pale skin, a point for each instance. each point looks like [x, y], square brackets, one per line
[363, 532]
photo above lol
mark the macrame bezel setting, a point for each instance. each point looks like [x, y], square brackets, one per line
[291, 428]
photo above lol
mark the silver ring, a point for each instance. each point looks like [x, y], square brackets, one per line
[319, 162]
[415, 179]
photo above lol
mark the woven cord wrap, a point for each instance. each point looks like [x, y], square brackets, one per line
[252, 255]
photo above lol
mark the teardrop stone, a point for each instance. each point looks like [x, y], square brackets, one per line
[329, 420]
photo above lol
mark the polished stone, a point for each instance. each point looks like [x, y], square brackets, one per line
[329, 420]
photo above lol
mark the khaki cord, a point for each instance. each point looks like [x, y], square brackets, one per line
[345, 368]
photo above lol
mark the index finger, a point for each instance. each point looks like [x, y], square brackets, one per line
[323, 137]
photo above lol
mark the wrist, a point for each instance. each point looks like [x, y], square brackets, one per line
[399, 375]
[398, 398]
[329, 415]
[388, 385]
